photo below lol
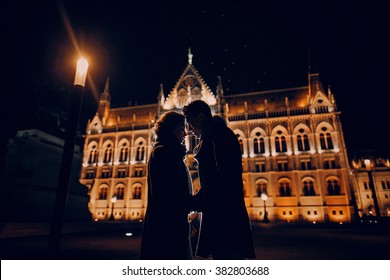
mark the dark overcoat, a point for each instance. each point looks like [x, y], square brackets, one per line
[225, 222]
[166, 229]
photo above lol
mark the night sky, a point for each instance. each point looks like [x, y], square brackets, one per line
[252, 45]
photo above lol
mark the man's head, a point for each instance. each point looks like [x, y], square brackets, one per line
[197, 113]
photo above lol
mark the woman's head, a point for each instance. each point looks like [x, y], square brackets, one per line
[170, 124]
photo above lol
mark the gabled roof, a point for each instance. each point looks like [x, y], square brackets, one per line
[189, 87]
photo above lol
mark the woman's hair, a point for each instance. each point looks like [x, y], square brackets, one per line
[167, 124]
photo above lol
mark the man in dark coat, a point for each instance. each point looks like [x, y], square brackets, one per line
[225, 231]
[166, 229]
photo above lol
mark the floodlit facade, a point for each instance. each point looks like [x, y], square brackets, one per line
[371, 172]
[292, 145]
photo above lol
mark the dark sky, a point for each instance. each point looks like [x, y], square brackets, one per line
[253, 45]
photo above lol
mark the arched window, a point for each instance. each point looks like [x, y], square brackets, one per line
[333, 187]
[124, 154]
[280, 144]
[92, 155]
[277, 144]
[284, 188]
[140, 152]
[326, 141]
[284, 144]
[303, 143]
[120, 192]
[107, 154]
[258, 146]
[261, 187]
[241, 145]
[103, 193]
[137, 192]
[329, 141]
[308, 188]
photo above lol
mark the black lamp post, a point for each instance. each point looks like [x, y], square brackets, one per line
[67, 157]
[264, 197]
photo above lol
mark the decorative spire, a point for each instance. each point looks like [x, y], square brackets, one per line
[161, 97]
[106, 93]
[219, 87]
[190, 55]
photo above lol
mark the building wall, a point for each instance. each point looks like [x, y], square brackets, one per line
[302, 163]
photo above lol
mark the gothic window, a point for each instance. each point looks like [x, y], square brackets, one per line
[261, 187]
[137, 192]
[103, 193]
[365, 184]
[140, 152]
[284, 188]
[326, 141]
[333, 187]
[329, 141]
[120, 193]
[124, 154]
[258, 145]
[280, 144]
[303, 143]
[107, 154]
[308, 188]
[92, 155]
[241, 145]
[277, 144]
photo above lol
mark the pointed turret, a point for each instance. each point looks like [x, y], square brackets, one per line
[104, 102]
[220, 108]
[160, 100]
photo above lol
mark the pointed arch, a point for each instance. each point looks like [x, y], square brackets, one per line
[241, 139]
[285, 187]
[279, 135]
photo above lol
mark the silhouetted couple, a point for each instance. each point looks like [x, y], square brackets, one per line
[225, 230]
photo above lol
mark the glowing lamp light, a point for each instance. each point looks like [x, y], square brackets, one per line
[129, 234]
[81, 72]
[367, 163]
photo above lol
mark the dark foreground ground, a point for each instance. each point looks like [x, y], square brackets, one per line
[272, 242]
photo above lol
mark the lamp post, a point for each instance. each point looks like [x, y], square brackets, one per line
[367, 163]
[67, 157]
[264, 197]
[113, 200]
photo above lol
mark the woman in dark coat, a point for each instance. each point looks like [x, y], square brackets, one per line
[166, 229]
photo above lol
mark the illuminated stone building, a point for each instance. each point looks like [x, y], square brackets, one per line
[292, 149]
[371, 171]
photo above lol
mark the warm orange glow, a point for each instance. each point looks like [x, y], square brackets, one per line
[81, 72]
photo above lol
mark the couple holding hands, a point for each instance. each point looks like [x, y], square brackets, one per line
[225, 230]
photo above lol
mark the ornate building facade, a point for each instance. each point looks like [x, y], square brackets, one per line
[292, 142]
[371, 171]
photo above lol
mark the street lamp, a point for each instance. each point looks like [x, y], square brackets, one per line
[67, 157]
[367, 163]
[113, 200]
[264, 197]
